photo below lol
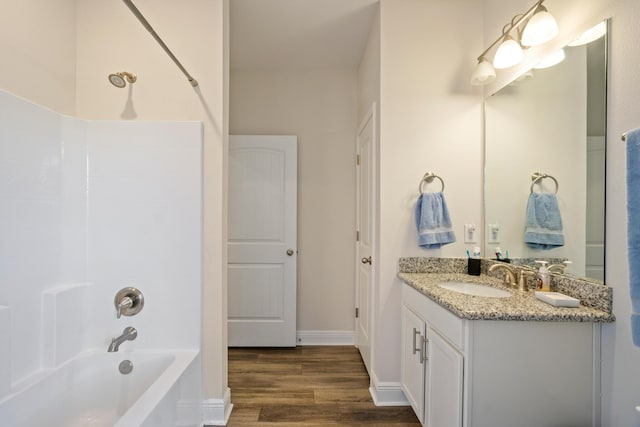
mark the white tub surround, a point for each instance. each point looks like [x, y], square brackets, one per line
[88, 208]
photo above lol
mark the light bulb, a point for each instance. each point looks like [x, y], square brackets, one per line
[541, 28]
[509, 53]
[551, 60]
[484, 73]
[590, 35]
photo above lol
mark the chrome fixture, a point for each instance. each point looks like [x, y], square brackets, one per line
[148, 27]
[129, 334]
[120, 79]
[125, 367]
[128, 301]
[539, 26]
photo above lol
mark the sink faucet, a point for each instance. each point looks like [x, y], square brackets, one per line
[509, 274]
[129, 334]
[556, 268]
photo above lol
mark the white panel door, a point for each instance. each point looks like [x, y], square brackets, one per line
[262, 241]
[365, 234]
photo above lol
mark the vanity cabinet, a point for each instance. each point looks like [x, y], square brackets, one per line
[497, 373]
[431, 372]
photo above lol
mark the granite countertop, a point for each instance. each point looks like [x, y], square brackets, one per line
[519, 306]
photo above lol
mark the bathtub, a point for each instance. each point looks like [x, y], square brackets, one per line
[89, 391]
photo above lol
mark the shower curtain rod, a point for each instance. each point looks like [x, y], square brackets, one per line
[146, 25]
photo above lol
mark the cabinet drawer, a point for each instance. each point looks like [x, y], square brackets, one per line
[446, 323]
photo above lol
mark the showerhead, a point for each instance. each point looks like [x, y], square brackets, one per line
[120, 80]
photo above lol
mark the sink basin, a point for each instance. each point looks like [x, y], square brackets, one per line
[475, 289]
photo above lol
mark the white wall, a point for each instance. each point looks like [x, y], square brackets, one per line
[110, 39]
[369, 71]
[320, 107]
[430, 121]
[621, 378]
[38, 43]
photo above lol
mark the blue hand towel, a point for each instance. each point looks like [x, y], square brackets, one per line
[633, 229]
[433, 221]
[544, 224]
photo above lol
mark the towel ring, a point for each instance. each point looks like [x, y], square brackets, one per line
[428, 178]
[536, 177]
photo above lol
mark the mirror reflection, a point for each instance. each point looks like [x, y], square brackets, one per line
[545, 135]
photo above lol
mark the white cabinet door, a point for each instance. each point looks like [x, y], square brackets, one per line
[412, 366]
[443, 383]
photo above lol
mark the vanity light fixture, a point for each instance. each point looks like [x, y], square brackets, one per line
[541, 28]
[509, 52]
[484, 73]
[551, 60]
[592, 34]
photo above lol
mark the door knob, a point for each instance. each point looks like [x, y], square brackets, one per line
[290, 252]
[366, 260]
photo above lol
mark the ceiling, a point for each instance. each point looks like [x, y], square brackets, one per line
[299, 34]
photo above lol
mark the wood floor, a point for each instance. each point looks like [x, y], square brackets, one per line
[306, 386]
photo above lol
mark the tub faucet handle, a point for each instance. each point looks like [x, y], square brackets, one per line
[128, 301]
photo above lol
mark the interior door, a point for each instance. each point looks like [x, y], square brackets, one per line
[365, 234]
[262, 241]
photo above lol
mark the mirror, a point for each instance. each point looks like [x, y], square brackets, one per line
[550, 121]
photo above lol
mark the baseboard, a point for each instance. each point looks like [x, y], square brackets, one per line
[387, 393]
[216, 412]
[325, 338]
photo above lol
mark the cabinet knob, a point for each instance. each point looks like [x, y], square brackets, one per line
[366, 260]
[290, 252]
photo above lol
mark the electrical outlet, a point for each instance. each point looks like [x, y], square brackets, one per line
[470, 233]
[494, 233]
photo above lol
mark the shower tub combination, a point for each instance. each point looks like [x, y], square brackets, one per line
[90, 391]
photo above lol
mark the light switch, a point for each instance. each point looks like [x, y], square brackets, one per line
[470, 233]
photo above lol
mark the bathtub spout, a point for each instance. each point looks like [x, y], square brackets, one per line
[129, 334]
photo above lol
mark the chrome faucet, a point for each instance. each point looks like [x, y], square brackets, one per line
[129, 334]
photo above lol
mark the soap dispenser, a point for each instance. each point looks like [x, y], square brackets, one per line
[543, 279]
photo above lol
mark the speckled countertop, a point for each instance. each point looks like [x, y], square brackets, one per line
[519, 306]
